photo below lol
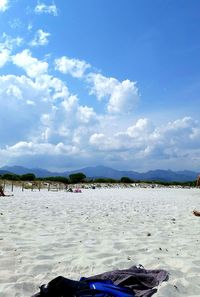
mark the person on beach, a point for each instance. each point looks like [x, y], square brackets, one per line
[1, 191]
[2, 194]
[196, 212]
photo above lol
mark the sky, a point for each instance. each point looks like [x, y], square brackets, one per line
[100, 82]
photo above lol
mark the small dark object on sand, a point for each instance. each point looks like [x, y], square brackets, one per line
[70, 190]
[196, 213]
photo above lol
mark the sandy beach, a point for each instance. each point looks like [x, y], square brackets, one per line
[46, 234]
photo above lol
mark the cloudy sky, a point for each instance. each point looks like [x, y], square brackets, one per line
[107, 82]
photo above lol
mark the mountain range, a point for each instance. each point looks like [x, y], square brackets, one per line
[107, 172]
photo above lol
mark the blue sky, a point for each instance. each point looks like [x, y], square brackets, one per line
[92, 82]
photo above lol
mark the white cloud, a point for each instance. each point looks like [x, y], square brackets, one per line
[32, 66]
[17, 114]
[49, 122]
[102, 86]
[179, 125]
[41, 38]
[97, 139]
[173, 140]
[122, 96]
[3, 5]
[143, 141]
[44, 108]
[6, 47]
[10, 43]
[86, 114]
[142, 127]
[47, 9]
[4, 57]
[44, 120]
[74, 67]
[30, 110]
[31, 148]
[108, 144]
[70, 104]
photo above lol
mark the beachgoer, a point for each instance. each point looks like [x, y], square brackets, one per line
[77, 190]
[196, 212]
[1, 191]
[2, 194]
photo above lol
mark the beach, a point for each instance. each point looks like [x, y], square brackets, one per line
[46, 234]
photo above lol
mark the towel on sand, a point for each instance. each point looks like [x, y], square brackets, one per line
[140, 281]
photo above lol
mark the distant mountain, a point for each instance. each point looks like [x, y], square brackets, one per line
[169, 176]
[16, 169]
[4, 172]
[23, 170]
[157, 175]
[107, 172]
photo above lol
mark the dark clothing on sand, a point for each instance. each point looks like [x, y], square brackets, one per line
[140, 281]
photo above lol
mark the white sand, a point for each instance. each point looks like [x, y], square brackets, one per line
[46, 234]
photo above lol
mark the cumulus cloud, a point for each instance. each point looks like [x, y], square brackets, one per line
[39, 122]
[47, 9]
[4, 57]
[6, 47]
[142, 127]
[122, 96]
[20, 118]
[143, 140]
[4, 5]
[41, 38]
[45, 111]
[32, 66]
[74, 67]
[50, 121]
[31, 148]
[86, 114]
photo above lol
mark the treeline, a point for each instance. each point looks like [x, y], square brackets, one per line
[72, 179]
[16, 177]
[127, 180]
[81, 178]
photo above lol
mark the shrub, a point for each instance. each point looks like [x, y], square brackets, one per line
[10, 176]
[126, 179]
[77, 177]
[28, 177]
